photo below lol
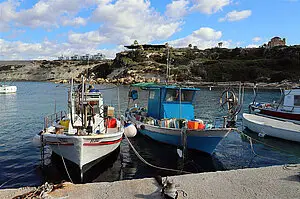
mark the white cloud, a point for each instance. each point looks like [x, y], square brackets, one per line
[45, 13]
[204, 37]
[77, 21]
[7, 13]
[252, 46]
[124, 21]
[17, 50]
[256, 39]
[236, 15]
[209, 6]
[177, 9]
[92, 37]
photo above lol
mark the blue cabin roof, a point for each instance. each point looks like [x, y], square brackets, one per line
[164, 101]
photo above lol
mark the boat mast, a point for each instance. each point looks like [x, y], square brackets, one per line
[168, 70]
[82, 106]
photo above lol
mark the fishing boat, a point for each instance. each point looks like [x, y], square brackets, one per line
[281, 120]
[87, 133]
[169, 118]
[4, 89]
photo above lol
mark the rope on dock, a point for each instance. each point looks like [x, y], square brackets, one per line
[151, 165]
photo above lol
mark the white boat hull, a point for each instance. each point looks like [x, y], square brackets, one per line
[82, 150]
[7, 89]
[272, 127]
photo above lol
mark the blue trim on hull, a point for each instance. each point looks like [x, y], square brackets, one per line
[204, 144]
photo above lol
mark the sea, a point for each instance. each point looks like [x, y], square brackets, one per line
[22, 117]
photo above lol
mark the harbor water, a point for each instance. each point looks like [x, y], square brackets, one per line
[22, 114]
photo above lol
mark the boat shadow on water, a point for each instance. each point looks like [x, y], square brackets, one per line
[276, 144]
[164, 155]
[123, 164]
[106, 169]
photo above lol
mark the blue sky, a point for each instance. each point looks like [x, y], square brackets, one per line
[45, 29]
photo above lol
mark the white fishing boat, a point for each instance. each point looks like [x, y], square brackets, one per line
[275, 127]
[4, 89]
[281, 120]
[88, 133]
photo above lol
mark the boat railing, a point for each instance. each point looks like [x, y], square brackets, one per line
[287, 108]
[53, 118]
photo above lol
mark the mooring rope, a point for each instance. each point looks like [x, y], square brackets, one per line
[64, 163]
[151, 165]
[252, 147]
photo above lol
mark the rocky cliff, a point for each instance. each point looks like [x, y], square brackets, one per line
[186, 64]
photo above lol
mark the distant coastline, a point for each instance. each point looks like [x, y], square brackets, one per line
[276, 67]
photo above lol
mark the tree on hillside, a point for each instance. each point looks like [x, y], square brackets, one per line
[135, 43]
[220, 44]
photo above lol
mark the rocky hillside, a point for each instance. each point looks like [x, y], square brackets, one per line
[187, 65]
[213, 65]
[56, 71]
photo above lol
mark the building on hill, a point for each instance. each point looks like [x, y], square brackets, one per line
[147, 46]
[276, 41]
[96, 57]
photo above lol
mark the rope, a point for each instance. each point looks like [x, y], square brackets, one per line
[19, 176]
[109, 88]
[64, 164]
[252, 147]
[151, 165]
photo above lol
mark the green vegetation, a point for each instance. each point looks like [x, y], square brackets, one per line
[215, 64]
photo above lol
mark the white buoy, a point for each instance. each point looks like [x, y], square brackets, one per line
[36, 141]
[130, 130]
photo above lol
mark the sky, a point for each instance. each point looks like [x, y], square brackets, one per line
[46, 29]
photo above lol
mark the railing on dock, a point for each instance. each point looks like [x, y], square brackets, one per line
[53, 118]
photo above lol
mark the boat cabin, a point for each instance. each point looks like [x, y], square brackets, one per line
[167, 101]
[291, 102]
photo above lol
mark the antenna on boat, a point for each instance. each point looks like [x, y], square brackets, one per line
[71, 102]
[168, 68]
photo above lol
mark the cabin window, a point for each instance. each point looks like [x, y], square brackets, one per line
[151, 94]
[187, 96]
[296, 100]
[174, 95]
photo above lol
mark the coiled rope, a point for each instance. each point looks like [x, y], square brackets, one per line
[151, 165]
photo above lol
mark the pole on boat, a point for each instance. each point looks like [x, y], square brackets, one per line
[82, 108]
[168, 55]
[71, 103]
[119, 106]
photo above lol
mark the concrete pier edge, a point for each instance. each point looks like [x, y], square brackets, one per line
[265, 182]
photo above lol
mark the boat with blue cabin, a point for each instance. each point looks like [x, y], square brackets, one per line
[169, 118]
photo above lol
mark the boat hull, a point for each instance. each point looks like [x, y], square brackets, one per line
[83, 150]
[281, 114]
[272, 127]
[4, 89]
[200, 140]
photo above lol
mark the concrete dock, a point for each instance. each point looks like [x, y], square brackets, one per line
[267, 182]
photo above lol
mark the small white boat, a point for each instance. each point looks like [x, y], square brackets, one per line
[7, 89]
[88, 133]
[280, 120]
[264, 125]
